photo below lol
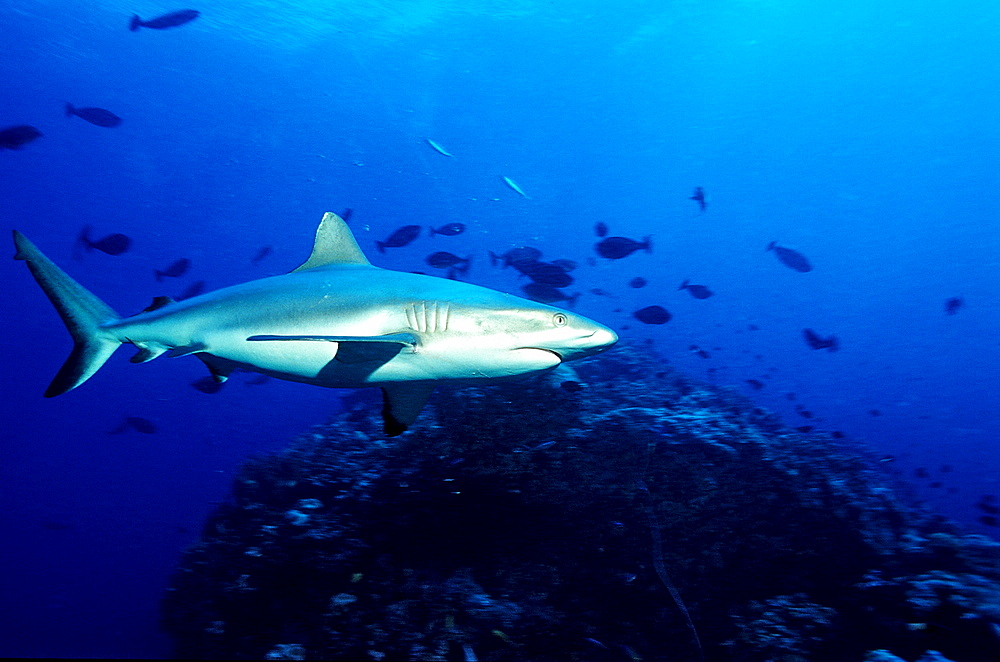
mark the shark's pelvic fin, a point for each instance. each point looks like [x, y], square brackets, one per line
[220, 368]
[334, 244]
[82, 312]
[147, 352]
[401, 403]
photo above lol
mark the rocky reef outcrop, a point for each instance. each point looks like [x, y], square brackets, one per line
[633, 514]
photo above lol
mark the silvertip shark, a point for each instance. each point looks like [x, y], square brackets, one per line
[336, 321]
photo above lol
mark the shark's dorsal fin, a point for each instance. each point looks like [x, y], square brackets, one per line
[334, 244]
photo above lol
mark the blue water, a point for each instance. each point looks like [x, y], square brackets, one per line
[862, 134]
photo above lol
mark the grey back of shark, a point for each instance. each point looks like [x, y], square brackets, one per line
[335, 321]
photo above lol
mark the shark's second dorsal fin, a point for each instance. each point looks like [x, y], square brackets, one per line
[334, 245]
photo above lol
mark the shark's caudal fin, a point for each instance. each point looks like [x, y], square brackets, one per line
[81, 311]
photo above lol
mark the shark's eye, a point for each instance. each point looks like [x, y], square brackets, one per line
[559, 319]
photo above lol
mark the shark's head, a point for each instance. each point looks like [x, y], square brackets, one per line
[567, 335]
[510, 336]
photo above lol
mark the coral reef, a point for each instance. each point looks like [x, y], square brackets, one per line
[644, 516]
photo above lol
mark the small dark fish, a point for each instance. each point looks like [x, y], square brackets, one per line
[548, 273]
[567, 265]
[700, 352]
[789, 258]
[816, 342]
[16, 137]
[261, 254]
[399, 238]
[875, 412]
[96, 116]
[449, 229]
[175, 270]
[258, 380]
[946, 468]
[805, 413]
[445, 260]
[988, 508]
[652, 315]
[137, 423]
[790, 396]
[516, 256]
[753, 327]
[699, 197]
[837, 434]
[935, 483]
[208, 384]
[637, 282]
[193, 290]
[171, 20]
[697, 291]
[755, 383]
[571, 386]
[953, 305]
[805, 428]
[920, 472]
[989, 520]
[347, 214]
[601, 229]
[615, 248]
[112, 244]
[543, 293]
[601, 293]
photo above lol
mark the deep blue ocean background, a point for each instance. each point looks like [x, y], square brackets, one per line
[864, 135]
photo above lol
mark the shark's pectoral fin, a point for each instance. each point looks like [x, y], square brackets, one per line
[402, 403]
[358, 349]
[147, 352]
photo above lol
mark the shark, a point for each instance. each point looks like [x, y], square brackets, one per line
[335, 321]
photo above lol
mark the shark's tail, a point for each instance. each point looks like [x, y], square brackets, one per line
[82, 312]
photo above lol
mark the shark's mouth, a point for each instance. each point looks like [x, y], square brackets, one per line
[550, 351]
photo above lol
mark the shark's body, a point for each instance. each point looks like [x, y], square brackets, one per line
[336, 321]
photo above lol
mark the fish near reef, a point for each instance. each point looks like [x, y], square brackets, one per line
[545, 293]
[697, 291]
[399, 238]
[699, 197]
[790, 258]
[616, 248]
[815, 341]
[335, 321]
[446, 260]
[171, 20]
[448, 229]
[96, 116]
[548, 273]
[16, 137]
[137, 423]
[516, 257]
[652, 315]
[112, 244]
[261, 254]
[175, 270]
